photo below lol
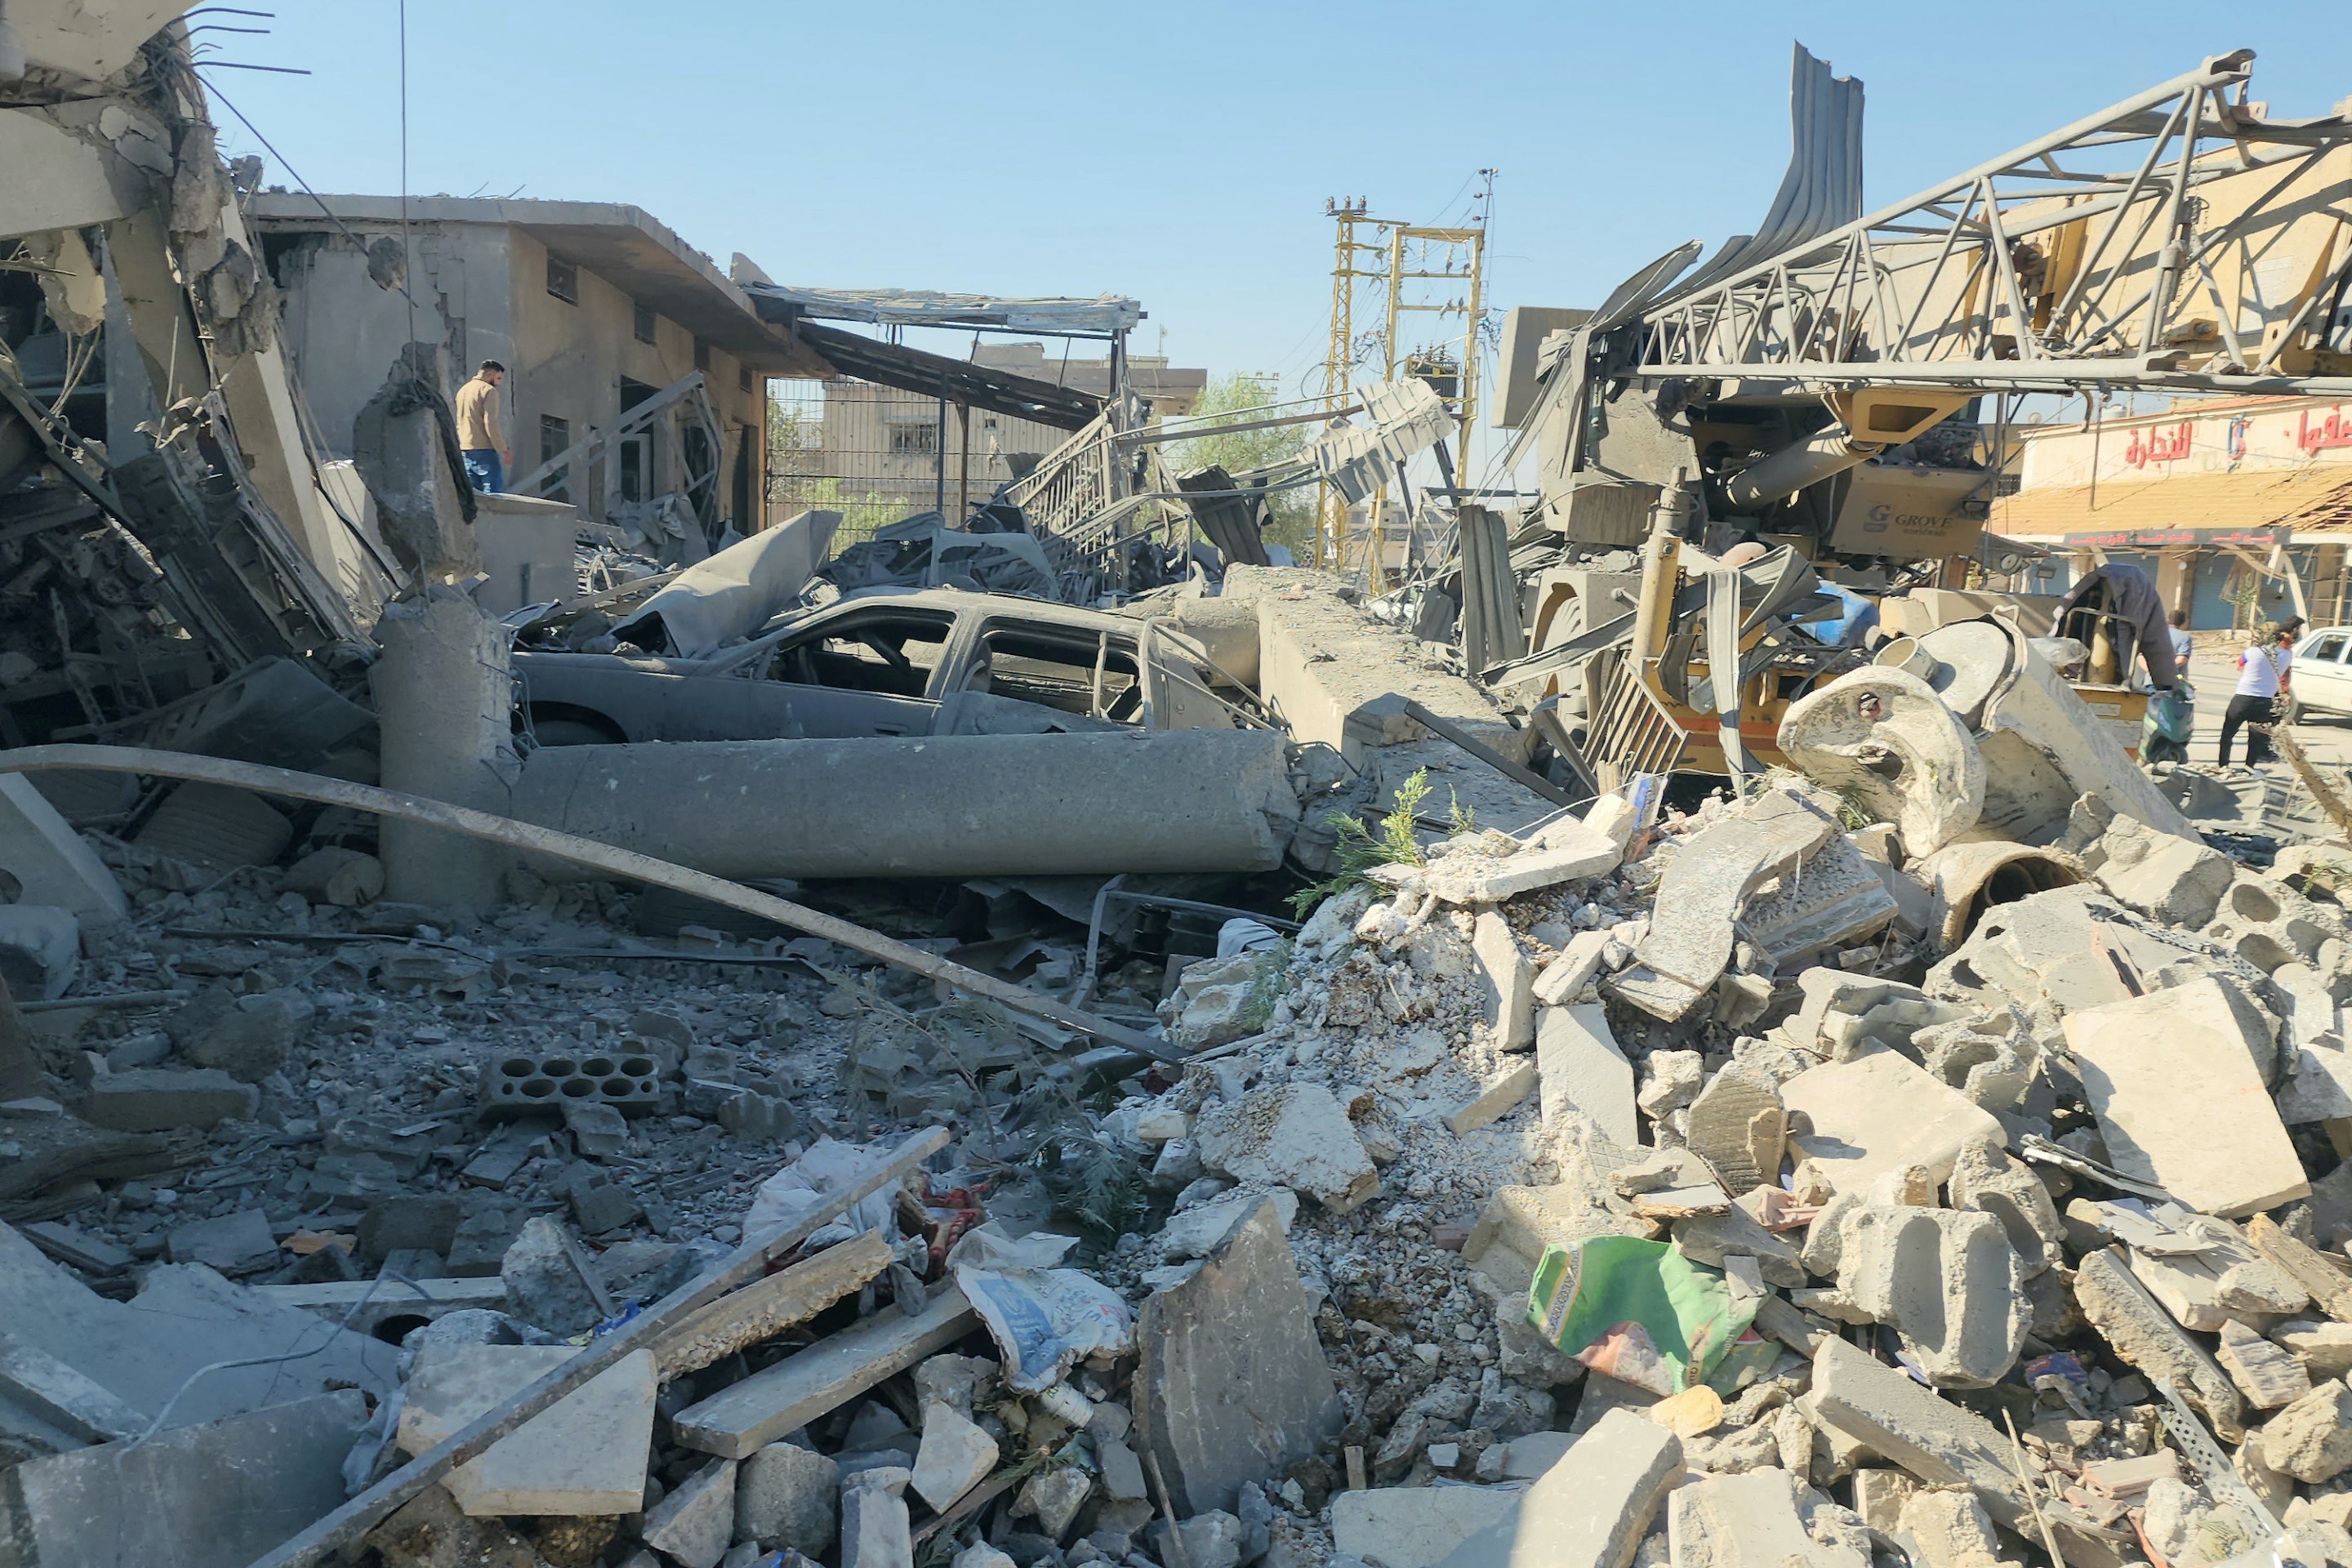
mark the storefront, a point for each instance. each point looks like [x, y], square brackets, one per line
[2238, 510]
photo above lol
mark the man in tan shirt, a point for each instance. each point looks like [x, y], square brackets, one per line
[477, 428]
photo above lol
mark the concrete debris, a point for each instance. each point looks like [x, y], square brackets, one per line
[215, 1495]
[1932, 1075]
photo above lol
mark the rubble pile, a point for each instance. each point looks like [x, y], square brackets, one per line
[1649, 1192]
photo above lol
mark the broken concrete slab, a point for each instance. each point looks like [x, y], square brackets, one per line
[695, 1524]
[1709, 877]
[1570, 852]
[1584, 1073]
[1937, 1441]
[157, 1100]
[1506, 996]
[584, 1456]
[744, 1417]
[1747, 1521]
[2221, 1150]
[1591, 1508]
[1416, 1527]
[33, 1380]
[215, 1495]
[230, 1242]
[1293, 1135]
[955, 1457]
[1563, 980]
[1232, 1386]
[1880, 1112]
[2144, 1336]
[1502, 1097]
[1196, 1231]
[185, 1317]
[49, 862]
[2177, 880]
[1947, 1282]
[450, 1385]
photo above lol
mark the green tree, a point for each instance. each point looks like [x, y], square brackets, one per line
[1240, 393]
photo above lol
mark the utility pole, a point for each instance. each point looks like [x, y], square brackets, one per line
[1405, 260]
[1349, 259]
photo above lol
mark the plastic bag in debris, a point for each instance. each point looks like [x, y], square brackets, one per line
[1242, 935]
[829, 1166]
[1638, 1311]
[1043, 1319]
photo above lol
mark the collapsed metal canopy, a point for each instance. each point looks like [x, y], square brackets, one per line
[918, 308]
[936, 375]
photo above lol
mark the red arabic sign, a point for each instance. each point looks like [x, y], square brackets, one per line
[2157, 445]
[2332, 431]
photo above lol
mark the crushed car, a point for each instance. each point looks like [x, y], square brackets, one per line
[930, 662]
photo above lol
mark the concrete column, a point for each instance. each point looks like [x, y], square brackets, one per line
[954, 805]
[444, 703]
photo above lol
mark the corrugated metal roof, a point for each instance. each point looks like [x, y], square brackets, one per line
[2316, 499]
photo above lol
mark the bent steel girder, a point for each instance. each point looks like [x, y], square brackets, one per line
[2120, 249]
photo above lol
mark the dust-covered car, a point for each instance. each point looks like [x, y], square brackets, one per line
[931, 662]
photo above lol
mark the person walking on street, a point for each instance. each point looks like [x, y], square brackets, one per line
[477, 428]
[2262, 675]
[2183, 645]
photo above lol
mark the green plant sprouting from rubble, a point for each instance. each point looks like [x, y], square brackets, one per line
[1361, 851]
[1093, 1182]
[1267, 976]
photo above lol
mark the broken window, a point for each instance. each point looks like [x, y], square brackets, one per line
[563, 281]
[743, 378]
[1074, 672]
[701, 355]
[892, 651]
[645, 324]
[554, 440]
[914, 440]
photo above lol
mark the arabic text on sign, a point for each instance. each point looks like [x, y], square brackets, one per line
[2332, 431]
[2157, 445]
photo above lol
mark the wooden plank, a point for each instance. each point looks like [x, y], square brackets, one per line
[739, 1421]
[372, 1507]
[340, 1295]
[766, 1308]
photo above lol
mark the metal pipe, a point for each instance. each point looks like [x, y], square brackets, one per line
[1791, 469]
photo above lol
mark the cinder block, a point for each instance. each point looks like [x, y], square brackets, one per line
[522, 1084]
[1947, 1282]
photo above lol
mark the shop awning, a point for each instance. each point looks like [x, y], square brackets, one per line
[2186, 509]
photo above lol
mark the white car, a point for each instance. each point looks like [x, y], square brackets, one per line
[2320, 679]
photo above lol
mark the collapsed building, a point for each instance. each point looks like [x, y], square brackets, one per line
[1044, 1037]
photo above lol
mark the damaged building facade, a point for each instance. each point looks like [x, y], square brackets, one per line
[1077, 1046]
[596, 310]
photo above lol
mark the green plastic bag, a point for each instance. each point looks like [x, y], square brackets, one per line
[1637, 1310]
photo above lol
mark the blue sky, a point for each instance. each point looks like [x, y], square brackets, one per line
[1182, 154]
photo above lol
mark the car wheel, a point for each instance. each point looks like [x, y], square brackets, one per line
[2294, 710]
